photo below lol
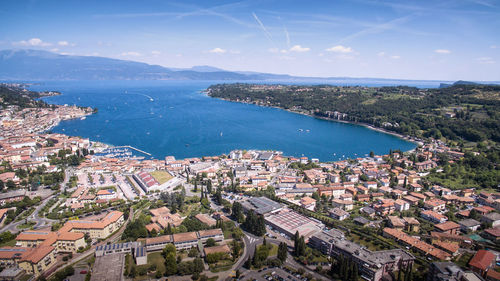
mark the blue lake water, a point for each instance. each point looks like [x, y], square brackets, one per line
[175, 118]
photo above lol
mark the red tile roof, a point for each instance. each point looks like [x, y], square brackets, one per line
[482, 260]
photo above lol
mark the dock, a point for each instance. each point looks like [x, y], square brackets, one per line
[133, 148]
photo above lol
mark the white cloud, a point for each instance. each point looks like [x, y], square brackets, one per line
[300, 49]
[381, 54]
[36, 42]
[155, 53]
[217, 51]
[54, 50]
[340, 49]
[65, 44]
[442, 51]
[273, 50]
[395, 57]
[486, 60]
[131, 54]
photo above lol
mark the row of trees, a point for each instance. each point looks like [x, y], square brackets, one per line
[254, 223]
[174, 264]
[344, 269]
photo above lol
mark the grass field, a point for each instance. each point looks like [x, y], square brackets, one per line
[26, 225]
[274, 250]
[10, 243]
[157, 258]
[161, 176]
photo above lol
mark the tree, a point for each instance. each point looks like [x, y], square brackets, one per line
[300, 247]
[209, 186]
[11, 184]
[170, 264]
[210, 242]
[237, 211]
[254, 224]
[296, 239]
[169, 248]
[236, 249]
[193, 252]
[198, 265]
[282, 252]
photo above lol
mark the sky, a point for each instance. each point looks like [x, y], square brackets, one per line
[422, 40]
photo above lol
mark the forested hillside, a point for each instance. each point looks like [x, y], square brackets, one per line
[13, 95]
[460, 112]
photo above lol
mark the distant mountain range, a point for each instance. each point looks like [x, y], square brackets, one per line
[38, 65]
[26, 64]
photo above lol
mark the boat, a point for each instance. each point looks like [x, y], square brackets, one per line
[300, 130]
[83, 118]
[187, 144]
[221, 134]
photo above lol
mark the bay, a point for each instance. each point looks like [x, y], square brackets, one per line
[176, 118]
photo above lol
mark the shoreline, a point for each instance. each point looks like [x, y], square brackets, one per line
[416, 142]
[366, 125]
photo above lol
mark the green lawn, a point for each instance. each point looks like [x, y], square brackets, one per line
[274, 250]
[10, 243]
[161, 176]
[26, 225]
[157, 258]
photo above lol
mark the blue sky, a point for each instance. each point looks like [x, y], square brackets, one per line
[434, 40]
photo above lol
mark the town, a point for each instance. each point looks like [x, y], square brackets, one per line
[71, 212]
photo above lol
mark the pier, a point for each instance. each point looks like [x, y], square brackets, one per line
[133, 148]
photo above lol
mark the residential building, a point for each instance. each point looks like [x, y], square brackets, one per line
[433, 216]
[469, 225]
[492, 218]
[339, 214]
[448, 227]
[482, 261]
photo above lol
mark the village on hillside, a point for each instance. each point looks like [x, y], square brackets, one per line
[70, 211]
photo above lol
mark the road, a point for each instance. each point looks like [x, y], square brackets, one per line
[40, 222]
[251, 241]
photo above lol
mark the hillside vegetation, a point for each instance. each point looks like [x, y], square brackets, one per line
[458, 113]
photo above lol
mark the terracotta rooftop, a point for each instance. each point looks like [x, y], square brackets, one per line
[159, 239]
[184, 237]
[482, 260]
[445, 226]
[37, 254]
[210, 232]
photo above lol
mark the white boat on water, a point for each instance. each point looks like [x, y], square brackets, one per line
[83, 118]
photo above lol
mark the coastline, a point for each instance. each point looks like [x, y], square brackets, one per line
[366, 125]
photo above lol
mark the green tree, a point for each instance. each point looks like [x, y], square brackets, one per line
[210, 242]
[282, 252]
[170, 264]
[198, 265]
